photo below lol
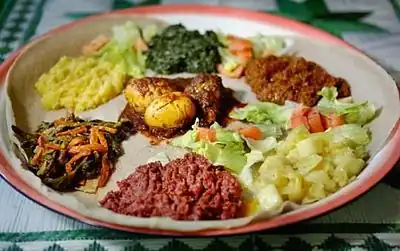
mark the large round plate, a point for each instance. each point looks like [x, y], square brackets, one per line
[241, 22]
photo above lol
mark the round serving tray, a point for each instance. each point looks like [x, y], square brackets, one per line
[210, 16]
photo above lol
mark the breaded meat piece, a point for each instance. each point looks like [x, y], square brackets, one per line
[277, 79]
[206, 90]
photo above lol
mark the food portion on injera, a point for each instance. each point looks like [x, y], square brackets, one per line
[188, 188]
[206, 90]
[277, 79]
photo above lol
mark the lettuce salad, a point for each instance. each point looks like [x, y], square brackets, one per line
[290, 164]
[268, 113]
[121, 50]
[261, 45]
[229, 149]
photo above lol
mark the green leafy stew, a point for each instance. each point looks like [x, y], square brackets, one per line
[177, 49]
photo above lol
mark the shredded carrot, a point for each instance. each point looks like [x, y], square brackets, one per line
[59, 121]
[102, 139]
[74, 159]
[95, 45]
[231, 37]
[93, 136]
[52, 146]
[88, 147]
[252, 133]
[239, 45]
[76, 141]
[36, 157]
[107, 129]
[242, 48]
[74, 131]
[141, 45]
[41, 141]
[206, 134]
[104, 171]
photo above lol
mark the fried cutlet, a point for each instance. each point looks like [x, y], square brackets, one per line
[277, 79]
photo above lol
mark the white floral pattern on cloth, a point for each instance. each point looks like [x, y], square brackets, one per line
[313, 242]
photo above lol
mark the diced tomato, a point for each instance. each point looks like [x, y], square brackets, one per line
[332, 120]
[314, 120]
[252, 133]
[299, 117]
[206, 134]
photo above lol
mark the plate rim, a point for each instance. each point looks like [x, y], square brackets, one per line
[390, 155]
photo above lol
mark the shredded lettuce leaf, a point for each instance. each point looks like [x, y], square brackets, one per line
[264, 113]
[222, 38]
[263, 45]
[121, 51]
[188, 140]
[354, 113]
[228, 149]
[252, 158]
[125, 35]
[228, 61]
[149, 32]
[230, 158]
[351, 135]
[262, 146]
[271, 130]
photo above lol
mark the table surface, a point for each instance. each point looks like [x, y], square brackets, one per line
[370, 223]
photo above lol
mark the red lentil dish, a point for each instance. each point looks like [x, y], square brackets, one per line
[188, 188]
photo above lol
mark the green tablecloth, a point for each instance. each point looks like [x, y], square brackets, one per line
[370, 223]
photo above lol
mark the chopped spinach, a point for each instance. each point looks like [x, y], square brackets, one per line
[177, 50]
